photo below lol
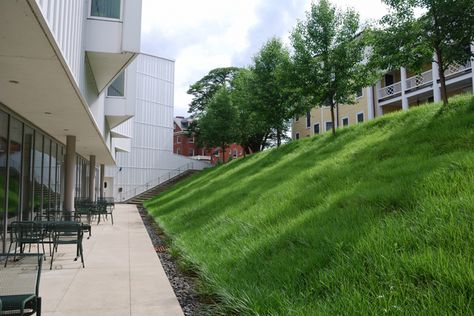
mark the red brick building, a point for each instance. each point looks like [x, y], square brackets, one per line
[186, 146]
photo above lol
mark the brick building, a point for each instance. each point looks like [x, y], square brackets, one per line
[187, 146]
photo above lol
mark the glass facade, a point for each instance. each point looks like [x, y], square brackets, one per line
[32, 173]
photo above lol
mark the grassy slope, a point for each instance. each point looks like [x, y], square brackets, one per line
[378, 220]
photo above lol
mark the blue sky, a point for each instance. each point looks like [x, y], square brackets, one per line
[206, 34]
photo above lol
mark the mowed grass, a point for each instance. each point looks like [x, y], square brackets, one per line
[377, 220]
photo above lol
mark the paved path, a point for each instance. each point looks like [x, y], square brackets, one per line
[123, 274]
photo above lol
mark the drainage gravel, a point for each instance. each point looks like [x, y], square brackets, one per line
[183, 285]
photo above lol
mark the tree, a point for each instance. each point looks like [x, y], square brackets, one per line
[217, 125]
[274, 97]
[329, 56]
[445, 31]
[251, 127]
[204, 89]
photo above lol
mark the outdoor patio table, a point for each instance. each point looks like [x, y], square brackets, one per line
[19, 285]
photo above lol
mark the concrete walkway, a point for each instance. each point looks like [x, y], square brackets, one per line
[123, 274]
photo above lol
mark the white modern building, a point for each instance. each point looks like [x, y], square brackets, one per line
[144, 143]
[70, 86]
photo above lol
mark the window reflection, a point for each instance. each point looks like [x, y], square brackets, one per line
[14, 162]
[27, 175]
[38, 171]
[3, 175]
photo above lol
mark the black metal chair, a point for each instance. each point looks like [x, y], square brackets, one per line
[25, 233]
[19, 285]
[67, 233]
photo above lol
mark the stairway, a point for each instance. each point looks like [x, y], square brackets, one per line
[140, 198]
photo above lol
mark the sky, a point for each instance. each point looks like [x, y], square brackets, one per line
[202, 35]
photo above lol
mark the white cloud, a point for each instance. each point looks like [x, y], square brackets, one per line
[202, 35]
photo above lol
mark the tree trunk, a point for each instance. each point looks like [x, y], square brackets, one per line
[223, 152]
[278, 137]
[442, 77]
[333, 119]
[337, 115]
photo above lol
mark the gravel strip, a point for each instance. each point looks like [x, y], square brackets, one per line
[183, 285]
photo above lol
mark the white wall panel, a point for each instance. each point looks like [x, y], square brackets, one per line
[66, 22]
[151, 153]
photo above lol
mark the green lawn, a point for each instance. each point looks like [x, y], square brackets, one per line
[379, 220]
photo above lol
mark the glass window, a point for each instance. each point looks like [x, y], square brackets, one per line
[27, 174]
[316, 128]
[117, 88]
[14, 175]
[308, 119]
[3, 176]
[328, 126]
[106, 8]
[52, 182]
[360, 93]
[345, 121]
[37, 172]
[191, 152]
[46, 172]
[360, 117]
[297, 136]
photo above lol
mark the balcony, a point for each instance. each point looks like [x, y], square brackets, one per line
[422, 84]
[419, 81]
[112, 38]
[390, 91]
[457, 69]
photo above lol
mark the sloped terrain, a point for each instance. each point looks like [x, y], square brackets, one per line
[377, 220]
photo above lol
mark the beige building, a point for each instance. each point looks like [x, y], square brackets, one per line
[396, 90]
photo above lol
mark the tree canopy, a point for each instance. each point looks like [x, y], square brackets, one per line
[329, 56]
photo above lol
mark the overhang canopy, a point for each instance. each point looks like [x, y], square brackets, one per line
[36, 82]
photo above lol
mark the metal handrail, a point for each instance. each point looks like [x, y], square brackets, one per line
[155, 182]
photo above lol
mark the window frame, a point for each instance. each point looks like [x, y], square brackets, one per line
[308, 120]
[124, 96]
[342, 121]
[103, 18]
[326, 126]
[362, 94]
[319, 128]
[357, 117]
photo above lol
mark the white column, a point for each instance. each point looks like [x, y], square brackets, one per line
[92, 178]
[70, 173]
[436, 88]
[370, 102]
[403, 76]
[472, 66]
[378, 86]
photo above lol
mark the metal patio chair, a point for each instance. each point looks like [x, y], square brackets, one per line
[67, 233]
[19, 285]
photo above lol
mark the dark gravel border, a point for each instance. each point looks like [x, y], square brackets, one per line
[184, 286]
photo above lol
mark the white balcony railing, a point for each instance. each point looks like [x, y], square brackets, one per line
[390, 91]
[457, 68]
[420, 80]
